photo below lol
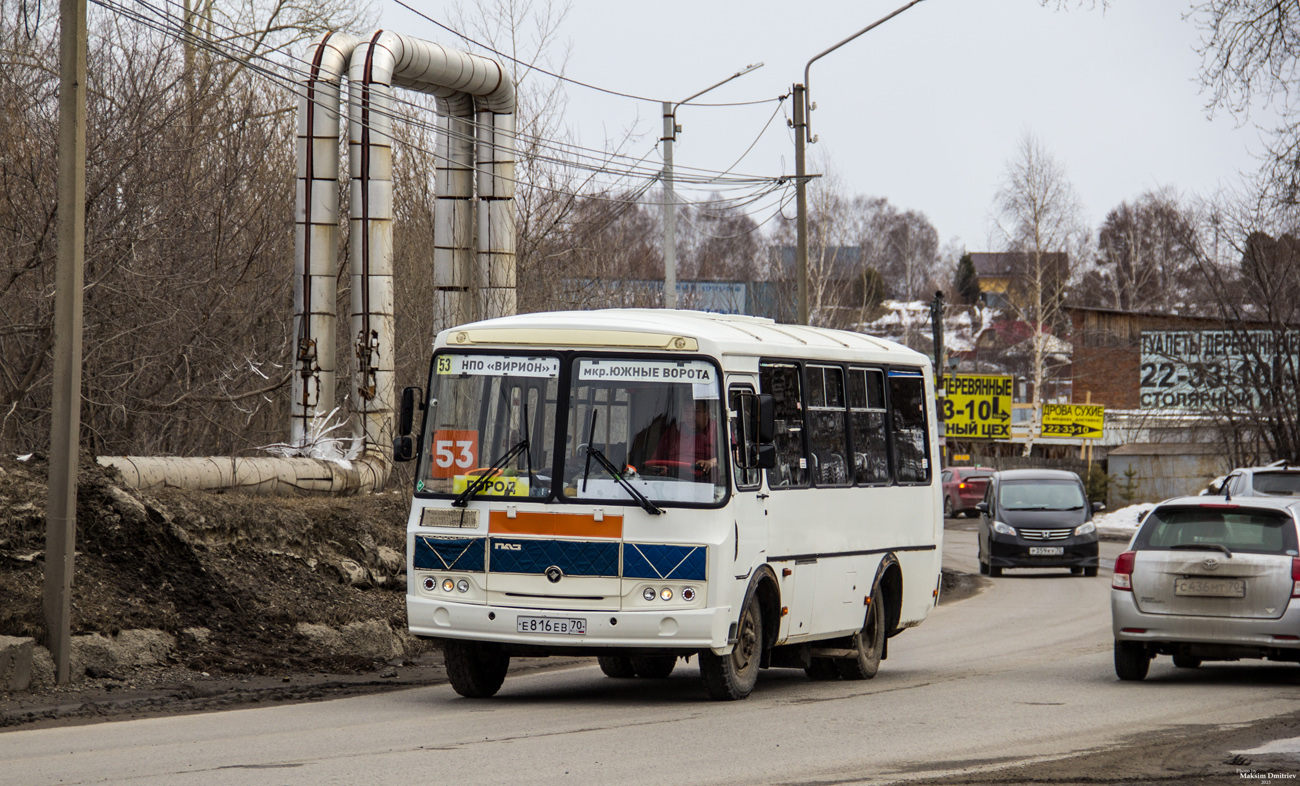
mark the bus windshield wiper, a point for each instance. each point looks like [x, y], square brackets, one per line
[1203, 547]
[603, 460]
[463, 499]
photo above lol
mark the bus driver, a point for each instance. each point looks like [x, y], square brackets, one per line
[689, 442]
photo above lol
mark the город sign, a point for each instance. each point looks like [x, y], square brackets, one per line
[977, 407]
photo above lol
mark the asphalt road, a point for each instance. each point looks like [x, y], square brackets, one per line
[1017, 675]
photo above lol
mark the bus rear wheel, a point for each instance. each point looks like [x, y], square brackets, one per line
[868, 642]
[618, 667]
[475, 670]
[654, 667]
[731, 677]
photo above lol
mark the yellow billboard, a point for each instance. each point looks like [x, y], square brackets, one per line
[977, 406]
[1074, 421]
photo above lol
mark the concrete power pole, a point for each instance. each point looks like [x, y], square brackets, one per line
[801, 202]
[65, 427]
[670, 210]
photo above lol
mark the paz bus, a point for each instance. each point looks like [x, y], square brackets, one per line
[646, 485]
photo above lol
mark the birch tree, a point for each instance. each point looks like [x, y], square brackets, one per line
[1038, 217]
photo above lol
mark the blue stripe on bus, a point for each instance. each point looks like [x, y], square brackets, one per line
[574, 557]
[664, 562]
[459, 554]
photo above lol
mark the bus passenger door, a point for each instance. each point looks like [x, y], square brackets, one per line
[749, 501]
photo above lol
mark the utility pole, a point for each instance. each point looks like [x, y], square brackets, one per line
[801, 202]
[65, 427]
[803, 135]
[670, 197]
[670, 210]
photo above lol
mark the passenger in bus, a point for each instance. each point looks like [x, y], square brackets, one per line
[689, 442]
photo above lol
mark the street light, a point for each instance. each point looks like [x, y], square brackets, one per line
[802, 136]
[670, 201]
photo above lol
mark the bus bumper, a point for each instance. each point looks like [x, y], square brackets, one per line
[686, 629]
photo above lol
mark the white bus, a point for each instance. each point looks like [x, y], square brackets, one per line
[649, 485]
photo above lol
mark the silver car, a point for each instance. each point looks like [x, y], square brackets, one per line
[1275, 480]
[1208, 578]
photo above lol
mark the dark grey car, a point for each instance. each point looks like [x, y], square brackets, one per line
[1037, 518]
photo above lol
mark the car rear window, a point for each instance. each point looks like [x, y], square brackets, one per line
[1252, 531]
[977, 476]
[1281, 483]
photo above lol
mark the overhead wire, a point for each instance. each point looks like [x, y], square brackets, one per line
[597, 162]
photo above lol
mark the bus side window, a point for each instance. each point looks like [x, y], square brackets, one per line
[911, 448]
[742, 401]
[827, 437]
[867, 415]
[781, 381]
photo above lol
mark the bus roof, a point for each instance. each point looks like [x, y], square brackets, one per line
[668, 329]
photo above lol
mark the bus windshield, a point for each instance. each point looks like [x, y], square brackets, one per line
[482, 408]
[658, 421]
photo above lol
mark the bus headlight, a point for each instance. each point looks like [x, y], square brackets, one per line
[688, 594]
[666, 593]
[649, 593]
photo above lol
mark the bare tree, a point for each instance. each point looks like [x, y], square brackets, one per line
[1144, 262]
[1039, 218]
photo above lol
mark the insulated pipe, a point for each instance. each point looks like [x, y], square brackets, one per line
[453, 212]
[385, 60]
[496, 213]
[316, 218]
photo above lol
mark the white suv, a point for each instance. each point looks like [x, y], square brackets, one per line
[1208, 578]
[1275, 480]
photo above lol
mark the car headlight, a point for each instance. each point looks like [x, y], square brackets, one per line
[1086, 528]
[1004, 529]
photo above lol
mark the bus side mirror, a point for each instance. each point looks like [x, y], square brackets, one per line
[766, 419]
[403, 444]
[766, 457]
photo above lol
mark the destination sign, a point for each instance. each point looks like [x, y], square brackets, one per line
[498, 366]
[1074, 421]
[977, 406]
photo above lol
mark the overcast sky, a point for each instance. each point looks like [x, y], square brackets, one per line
[925, 110]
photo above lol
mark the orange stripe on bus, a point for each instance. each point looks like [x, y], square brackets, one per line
[568, 525]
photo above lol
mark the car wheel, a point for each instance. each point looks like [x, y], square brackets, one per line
[1131, 660]
[475, 670]
[823, 670]
[616, 666]
[1076, 571]
[947, 508]
[869, 642]
[984, 568]
[1186, 662]
[654, 667]
[1091, 572]
[994, 570]
[731, 677]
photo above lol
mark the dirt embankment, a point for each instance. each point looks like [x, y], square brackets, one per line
[238, 586]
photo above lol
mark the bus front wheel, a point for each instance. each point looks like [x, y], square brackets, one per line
[731, 677]
[868, 642]
[475, 670]
[616, 666]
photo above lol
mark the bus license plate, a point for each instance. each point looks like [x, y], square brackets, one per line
[1211, 588]
[1046, 551]
[573, 626]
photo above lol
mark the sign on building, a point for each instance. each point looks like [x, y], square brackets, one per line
[977, 407]
[1213, 369]
[1073, 421]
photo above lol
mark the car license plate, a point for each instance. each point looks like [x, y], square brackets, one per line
[1046, 551]
[573, 626]
[1211, 588]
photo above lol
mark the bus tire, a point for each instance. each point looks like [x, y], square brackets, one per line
[654, 667]
[732, 677]
[475, 670]
[823, 670]
[869, 642]
[616, 666]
